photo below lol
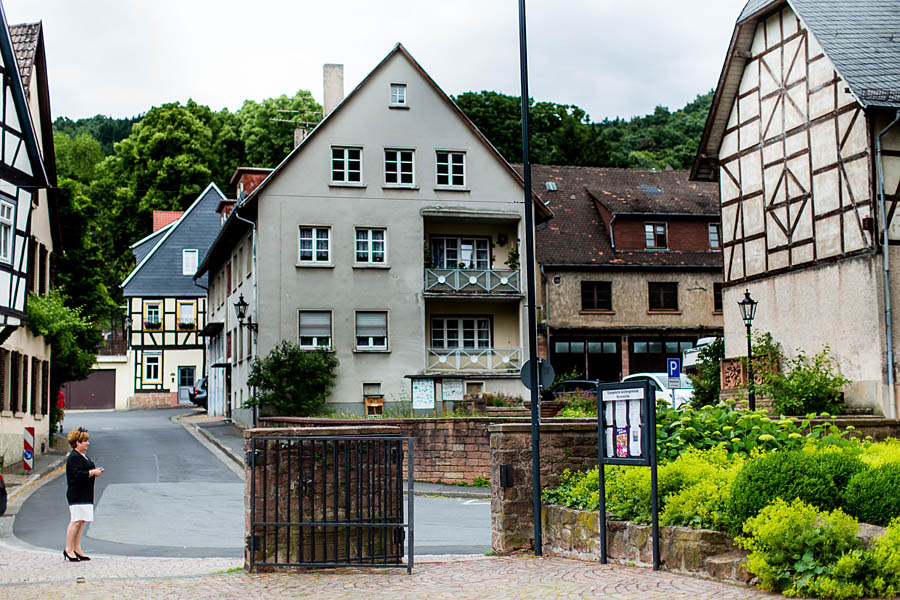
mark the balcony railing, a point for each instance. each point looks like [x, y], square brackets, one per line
[472, 281]
[495, 360]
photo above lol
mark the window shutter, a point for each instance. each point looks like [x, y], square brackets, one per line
[315, 324]
[371, 324]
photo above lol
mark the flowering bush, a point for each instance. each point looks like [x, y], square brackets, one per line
[578, 403]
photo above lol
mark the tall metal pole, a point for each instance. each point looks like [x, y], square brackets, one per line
[531, 296]
[751, 393]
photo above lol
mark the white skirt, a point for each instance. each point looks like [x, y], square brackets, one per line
[81, 512]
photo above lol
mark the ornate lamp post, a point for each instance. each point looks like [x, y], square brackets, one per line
[240, 309]
[748, 311]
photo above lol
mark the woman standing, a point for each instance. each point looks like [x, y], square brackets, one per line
[80, 474]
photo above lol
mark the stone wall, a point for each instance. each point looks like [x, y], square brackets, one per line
[446, 450]
[161, 399]
[576, 534]
[564, 445]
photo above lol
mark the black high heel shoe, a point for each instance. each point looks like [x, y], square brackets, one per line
[80, 557]
[70, 559]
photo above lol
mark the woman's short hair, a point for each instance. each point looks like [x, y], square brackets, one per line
[77, 435]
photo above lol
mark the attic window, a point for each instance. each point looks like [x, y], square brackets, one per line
[651, 189]
[551, 186]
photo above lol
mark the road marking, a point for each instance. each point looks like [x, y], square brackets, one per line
[156, 458]
[476, 502]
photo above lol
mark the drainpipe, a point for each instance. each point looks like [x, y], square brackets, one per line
[612, 239]
[546, 308]
[253, 334]
[887, 268]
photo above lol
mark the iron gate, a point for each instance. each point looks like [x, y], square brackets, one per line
[330, 501]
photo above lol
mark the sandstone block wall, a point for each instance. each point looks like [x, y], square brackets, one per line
[564, 445]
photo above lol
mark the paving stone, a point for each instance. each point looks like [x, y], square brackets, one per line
[27, 575]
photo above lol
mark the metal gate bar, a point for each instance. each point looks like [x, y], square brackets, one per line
[330, 501]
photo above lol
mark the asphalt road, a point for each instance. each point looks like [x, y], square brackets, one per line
[164, 494]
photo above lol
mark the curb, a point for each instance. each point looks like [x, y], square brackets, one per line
[49, 468]
[215, 442]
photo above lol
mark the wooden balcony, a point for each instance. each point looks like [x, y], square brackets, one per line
[474, 360]
[473, 281]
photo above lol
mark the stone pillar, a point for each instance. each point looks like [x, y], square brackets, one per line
[564, 445]
[626, 363]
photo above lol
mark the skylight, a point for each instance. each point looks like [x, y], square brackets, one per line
[550, 185]
[650, 189]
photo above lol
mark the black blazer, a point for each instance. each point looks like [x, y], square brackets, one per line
[80, 484]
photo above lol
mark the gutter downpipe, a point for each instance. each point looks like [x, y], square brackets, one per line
[612, 238]
[255, 334]
[887, 268]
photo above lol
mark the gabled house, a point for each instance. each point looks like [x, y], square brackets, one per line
[166, 307]
[29, 235]
[390, 235]
[631, 268]
[804, 142]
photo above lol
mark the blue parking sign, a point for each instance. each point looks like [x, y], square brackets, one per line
[673, 367]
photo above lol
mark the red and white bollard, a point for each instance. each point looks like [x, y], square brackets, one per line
[28, 454]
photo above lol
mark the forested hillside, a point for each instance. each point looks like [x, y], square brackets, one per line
[115, 172]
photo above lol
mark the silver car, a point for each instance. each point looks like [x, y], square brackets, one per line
[659, 382]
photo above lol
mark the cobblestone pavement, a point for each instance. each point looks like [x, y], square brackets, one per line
[26, 575]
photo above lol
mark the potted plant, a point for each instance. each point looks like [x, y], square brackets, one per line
[185, 325]
[152, 325]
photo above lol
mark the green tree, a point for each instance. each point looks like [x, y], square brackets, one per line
[73, 339]
[267, 141]
[706, 381]
[76, 157]
[105, 130]
[292, 381]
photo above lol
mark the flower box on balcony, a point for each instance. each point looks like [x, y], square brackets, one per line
[152, 325]
[186, 326]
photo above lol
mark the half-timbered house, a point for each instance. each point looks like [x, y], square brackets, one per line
[167, 308]
[29, 234]
[803, 138]
[631, 268]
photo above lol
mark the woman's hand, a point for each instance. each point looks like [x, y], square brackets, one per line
[96, 472]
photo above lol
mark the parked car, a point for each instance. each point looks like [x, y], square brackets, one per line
[571, 385]
[689, 357]
[2, 496]
[676, 397]
[198, 394]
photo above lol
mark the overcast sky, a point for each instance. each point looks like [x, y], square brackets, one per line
[612, 58]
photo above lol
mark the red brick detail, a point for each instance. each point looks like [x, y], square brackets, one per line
[161, 218]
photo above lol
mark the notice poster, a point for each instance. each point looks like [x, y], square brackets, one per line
[452, 390]
[622, 422]
[423, 393]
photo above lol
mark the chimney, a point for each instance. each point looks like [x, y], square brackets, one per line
[333, 87]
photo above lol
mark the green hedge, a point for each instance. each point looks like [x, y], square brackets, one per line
[873, 495]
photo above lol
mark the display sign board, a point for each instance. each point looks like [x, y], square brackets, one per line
[422, 393]
[452, 390]
[624, 421]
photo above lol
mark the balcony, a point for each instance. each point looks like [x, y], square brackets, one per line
[472, 281]
[474, 360]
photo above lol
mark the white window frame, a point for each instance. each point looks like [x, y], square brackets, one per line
[7, 230]
[398, 95]
[159, 308]
[157, 362]
[314, 239]
[457, 323]
[445, 247]
[364, 252]
[189, 261]
[315, 341]
[371, 342]
[447, 165]
[342, 156]
[400, 164]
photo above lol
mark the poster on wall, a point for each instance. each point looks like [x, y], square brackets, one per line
[452, 390]
[422, 393]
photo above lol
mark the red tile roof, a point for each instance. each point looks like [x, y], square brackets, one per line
[577, 236]
[161, 218]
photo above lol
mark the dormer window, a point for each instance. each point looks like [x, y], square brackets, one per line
[655, 236]
[398, 95]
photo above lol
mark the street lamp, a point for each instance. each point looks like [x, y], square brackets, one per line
[748, 311]
[240, 309]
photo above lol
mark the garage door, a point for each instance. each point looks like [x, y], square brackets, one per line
[97, 391]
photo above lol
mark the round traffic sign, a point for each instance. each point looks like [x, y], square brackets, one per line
[545, 374]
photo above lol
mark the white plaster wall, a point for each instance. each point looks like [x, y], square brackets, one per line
[301, 195]
[836, 304]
